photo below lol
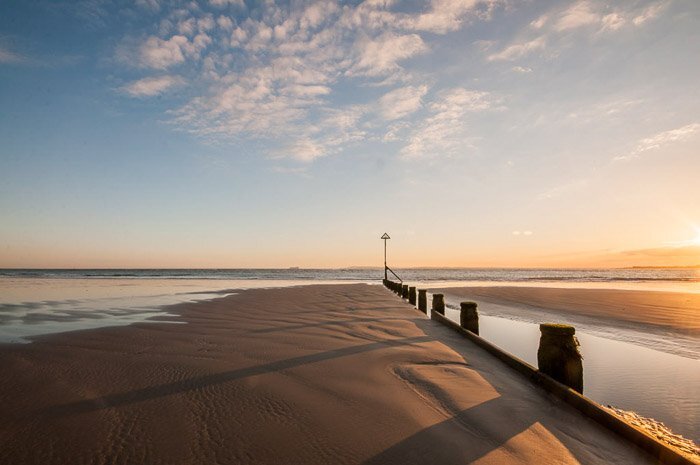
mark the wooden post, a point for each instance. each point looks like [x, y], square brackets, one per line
[469, 317]
[404, 291]
[412, 295]
[558, 355]
[422, 300]
[439, 303]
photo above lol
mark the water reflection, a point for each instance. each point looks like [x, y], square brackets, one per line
[31, 307]
[653, 383]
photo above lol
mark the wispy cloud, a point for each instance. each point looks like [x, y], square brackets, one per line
[402, 102]
[150, 86]
[303, 150]
[661, 139]
[447, 15]
[649, 13]
[7, 56]
[518, 50]
[579, 14]
[563, 189]
[274, 75]
[443, 133]
[548, 30]
[607, 109]
[690, 251]
[380, 56]
[225, 3]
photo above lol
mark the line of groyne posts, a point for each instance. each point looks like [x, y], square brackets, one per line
[557, 356]
[559, 371]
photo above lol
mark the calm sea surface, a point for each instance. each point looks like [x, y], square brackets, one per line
[619, 369]
[682, 278]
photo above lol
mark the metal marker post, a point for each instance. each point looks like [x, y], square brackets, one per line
[385, 236]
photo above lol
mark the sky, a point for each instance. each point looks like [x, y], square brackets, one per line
[232, 133]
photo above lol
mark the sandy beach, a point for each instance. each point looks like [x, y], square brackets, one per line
[302, 375]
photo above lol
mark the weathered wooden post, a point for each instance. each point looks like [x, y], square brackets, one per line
[469, 317]
[423, 300]
[404, 291]
[558, 355]
[412, 295]
[439, 303]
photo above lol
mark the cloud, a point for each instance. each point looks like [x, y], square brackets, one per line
[380, 56]
[649, 13]
[449, 15]
[673, 135]
[153, 5]
[225, 3]
[605, 17]
[225, 23]
[150, 86]
[9, 57]
[443, 133]
[691, 252]
[552, 29]
[563, 189]
[577, 15]
[615, 108]
[401, 102]
[518, 50]
[275, 74]
[160, 54]
[657, 141]
[303, 150]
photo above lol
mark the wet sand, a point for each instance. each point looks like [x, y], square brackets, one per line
[303, 375]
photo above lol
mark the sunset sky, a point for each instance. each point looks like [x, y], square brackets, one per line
[231, 133]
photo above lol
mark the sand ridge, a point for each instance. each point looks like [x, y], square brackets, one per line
[304, 375]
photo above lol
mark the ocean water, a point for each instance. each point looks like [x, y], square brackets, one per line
[618, 369]
[653, 383]
[684, 278]
[35, 302]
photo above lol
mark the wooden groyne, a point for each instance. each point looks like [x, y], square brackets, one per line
[559, 372]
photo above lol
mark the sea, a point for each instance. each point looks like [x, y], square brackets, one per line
[628, 371]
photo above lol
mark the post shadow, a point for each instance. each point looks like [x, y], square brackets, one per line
[472, 433]
[162, 390]
[346, 322]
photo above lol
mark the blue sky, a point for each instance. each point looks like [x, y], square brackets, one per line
[238, 133]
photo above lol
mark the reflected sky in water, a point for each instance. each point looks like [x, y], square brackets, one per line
[653, 383]
[31, 307]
